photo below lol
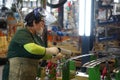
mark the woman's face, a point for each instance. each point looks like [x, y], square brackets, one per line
[39, 27]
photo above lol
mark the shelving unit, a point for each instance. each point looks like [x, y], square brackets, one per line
[107, 32]
[107, 26]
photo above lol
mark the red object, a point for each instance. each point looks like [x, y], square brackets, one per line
[52, 70]
[104, 72]
[69, 4]
[50, 65]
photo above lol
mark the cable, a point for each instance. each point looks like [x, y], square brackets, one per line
[61, 3]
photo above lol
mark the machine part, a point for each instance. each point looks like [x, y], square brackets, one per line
[76, 57]
[65, 51]
[51, 66]
[94, 71]
[37, 78]
[117, 70]
[72, 58]
[117, 73]
[65, 71]
[94, 63]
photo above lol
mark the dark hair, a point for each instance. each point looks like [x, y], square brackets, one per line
[33, 16]
[3, 23]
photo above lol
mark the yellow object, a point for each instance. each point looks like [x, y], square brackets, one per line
[3, 45]
[59, 78]
[34, 49]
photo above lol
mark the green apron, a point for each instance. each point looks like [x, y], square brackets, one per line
[16, 53]
[23, 68]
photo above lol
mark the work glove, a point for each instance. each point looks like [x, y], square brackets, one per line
[52, 50]
[58, 52]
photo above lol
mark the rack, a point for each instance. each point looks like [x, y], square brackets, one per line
[107, 30]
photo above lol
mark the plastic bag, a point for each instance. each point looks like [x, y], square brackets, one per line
[49, 18]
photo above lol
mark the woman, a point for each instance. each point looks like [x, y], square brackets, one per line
[26, 48]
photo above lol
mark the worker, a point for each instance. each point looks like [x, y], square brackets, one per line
[27, 48]
[7, 30]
